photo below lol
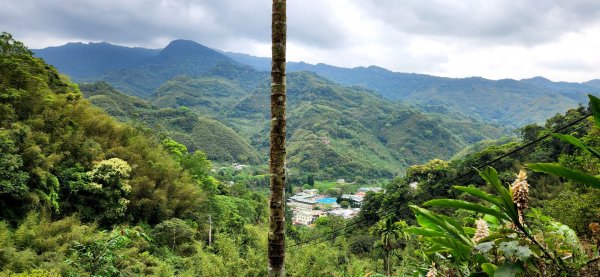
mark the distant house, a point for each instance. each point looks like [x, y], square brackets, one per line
[365, 190]
[356, 197]
[307, 217]
[237, 166]
[345, 213]
[302, 201]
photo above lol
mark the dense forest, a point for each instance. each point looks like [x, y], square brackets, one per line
[114, 185]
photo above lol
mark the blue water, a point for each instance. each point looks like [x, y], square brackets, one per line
[327, 200]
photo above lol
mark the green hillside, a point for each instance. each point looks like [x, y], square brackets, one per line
[180, 57]
[337, 131]
[61, 155]
[219, 142]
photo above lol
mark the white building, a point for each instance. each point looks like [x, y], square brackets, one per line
[307, 217]
[345, 213]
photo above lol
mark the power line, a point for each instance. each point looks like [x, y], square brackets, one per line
[315, 239]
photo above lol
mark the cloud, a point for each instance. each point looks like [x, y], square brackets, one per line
[495, 38]
[493, 21]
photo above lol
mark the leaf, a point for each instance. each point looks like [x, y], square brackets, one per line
[559, 170]
[489, 268]
[442, 224]
[575, 141]
[508, 270]
[523, 253]
[460, 204]
[491, 176]
[481, 194]
[423, 232]
[595, 104]
[485, 247]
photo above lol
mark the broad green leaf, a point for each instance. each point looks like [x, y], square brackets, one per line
[443, 224]
[460, 204]
[470, 230]
[508, 270]
[424, 232]
[489, 269]
[575, 141]
[595, 104]
[491, 176]
[481, 194]
[559, 170]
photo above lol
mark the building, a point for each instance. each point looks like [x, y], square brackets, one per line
[365, 189]
[345, 213]
[307, 217]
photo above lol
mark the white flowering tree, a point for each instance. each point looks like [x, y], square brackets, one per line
[109, 181]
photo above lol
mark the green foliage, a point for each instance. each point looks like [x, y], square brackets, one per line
[173, 233]
[195, 131]
[574, 175]
[9, 46]
[559, 250]
[50, 138]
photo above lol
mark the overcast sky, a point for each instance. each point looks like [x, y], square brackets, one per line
[558, 39]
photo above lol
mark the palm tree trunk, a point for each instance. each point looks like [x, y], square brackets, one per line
[276, 248]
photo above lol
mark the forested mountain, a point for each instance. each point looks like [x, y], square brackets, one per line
[347, 131]
[196, 132]
[88, 61]
[508, 102]
[334, 132]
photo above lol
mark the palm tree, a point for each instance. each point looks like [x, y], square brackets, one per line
[389, 232]
[276, 247]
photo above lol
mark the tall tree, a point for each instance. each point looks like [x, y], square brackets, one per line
[277, 149]
[389, 231]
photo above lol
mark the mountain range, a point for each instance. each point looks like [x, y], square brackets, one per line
[343, 122]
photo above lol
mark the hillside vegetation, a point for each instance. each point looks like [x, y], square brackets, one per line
[82, 194]
[196, 132]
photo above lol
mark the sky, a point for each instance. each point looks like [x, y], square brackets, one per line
[495, 39]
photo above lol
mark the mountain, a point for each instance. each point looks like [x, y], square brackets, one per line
[196, 132]
[593, 83]
[334, 131]
[510, 102]
[84, 61]
[180, 57]
[340, 131]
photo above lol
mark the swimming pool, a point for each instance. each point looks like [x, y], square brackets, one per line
[326, 200]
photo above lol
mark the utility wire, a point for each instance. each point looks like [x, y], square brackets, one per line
[315, 239]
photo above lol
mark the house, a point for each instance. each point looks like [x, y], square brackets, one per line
[307, 217]
[358, 198]
[302, 201]
[374, 189]
[345, 213]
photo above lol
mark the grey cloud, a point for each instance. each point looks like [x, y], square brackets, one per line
[496, 21]
[142, 22]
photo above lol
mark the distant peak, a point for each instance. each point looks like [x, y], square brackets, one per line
[185, 47]
[538, 79]
[185, 44]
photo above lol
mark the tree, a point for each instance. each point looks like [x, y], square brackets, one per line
[276, 244]
[389, 232]
[9, 46]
